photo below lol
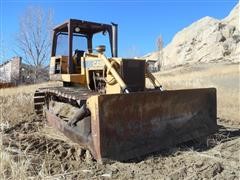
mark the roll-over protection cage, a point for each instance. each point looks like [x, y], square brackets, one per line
[83, 28]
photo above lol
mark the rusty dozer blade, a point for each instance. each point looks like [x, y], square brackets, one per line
[124, 126]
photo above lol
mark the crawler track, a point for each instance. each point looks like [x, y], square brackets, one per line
[75, 96]
[61, 107]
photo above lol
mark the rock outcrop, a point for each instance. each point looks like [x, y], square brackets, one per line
[204, 41]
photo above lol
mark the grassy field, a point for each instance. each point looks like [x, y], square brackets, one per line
[224, 77]
[16, 107]
[29, 150]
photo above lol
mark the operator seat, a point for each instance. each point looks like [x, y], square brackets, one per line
[77, 60]
[77, 56]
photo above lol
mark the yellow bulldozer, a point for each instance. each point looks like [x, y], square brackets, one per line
[104, 104]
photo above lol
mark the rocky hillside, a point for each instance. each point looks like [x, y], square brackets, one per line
[207, 40]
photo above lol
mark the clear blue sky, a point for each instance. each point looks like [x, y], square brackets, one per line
[140, 21]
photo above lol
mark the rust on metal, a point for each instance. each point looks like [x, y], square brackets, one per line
[124, 126]
[135, 124]
[73, 133]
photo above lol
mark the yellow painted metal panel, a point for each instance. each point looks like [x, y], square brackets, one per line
[74, 78]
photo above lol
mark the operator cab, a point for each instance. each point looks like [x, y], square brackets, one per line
[72, 39]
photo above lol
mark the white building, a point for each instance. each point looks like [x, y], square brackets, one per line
[10, 71]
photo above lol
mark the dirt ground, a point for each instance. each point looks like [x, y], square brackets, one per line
[50, 157]
[30, 149]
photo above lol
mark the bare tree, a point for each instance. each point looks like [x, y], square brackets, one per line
[160, 52]
[34, 38]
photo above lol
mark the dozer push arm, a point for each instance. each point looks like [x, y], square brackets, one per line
[114, 73]
[153, 80]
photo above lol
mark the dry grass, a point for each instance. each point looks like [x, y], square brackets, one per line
[225, 78]
[18, 164]
[17, 106]
[27, 89]
[17, 103]
[11, 168]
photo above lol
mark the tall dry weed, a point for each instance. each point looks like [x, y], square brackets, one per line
[16, 108]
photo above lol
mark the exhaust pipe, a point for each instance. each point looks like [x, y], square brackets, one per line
[114, 40]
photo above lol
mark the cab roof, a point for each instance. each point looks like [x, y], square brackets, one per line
[86, 27]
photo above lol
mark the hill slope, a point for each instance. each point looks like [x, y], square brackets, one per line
[204, 41]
